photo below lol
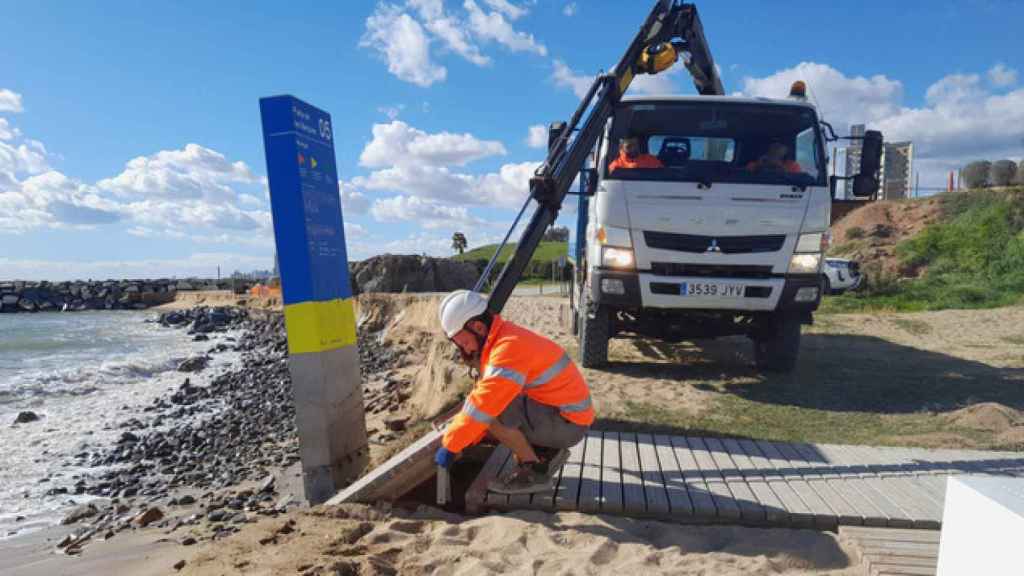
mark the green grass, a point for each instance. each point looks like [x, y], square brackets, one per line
[539, 268]
[974, 258]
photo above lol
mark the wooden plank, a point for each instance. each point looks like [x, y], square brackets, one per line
[725, 502]
[632, 475]
[477, 492]
[611, 474]
[654, 482]
[901, 570]
[798, 512]
[590, 481]
[397, 476]
[894, 515]
[696, 487]
[935, 485]
[866, 534]
[567, 491]
[750, 507]
[824, 515]
[774, 510]
[675, 486]
[924, 512]
[818, 473]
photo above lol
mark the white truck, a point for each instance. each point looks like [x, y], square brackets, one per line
[723, 234]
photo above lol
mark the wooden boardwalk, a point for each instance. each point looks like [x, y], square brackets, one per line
[893, 551]
[753, 482]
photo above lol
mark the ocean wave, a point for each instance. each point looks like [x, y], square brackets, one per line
[83, 380]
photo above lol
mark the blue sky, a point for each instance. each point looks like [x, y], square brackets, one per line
[130, 140]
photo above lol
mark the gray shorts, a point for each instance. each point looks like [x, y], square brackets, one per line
[541, 424]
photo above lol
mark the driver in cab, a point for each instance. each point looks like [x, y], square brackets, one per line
[630, 156]
[775, 161]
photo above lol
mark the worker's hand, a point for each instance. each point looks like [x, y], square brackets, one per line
[444, 457]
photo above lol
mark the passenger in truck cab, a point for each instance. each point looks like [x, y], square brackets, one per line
[775, 161]
[630, 156]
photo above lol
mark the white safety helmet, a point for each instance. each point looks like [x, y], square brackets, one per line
[458, 308]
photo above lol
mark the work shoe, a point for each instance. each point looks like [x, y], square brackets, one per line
[525, 478]
[552, 459]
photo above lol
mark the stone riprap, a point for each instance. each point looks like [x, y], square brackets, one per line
[20, 296]
[397, 273]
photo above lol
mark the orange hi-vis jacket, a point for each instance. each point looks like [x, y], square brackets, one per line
[641, 161]
[516, 361]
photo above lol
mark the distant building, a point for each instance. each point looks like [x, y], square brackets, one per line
[897, 170]
[853, 158]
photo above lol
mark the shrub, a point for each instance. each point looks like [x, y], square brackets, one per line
[975, 174]
[855, 233]
[1002, 173]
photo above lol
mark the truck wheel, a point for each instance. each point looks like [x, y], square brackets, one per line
[574, 304]
[593, 334]
[776, 348]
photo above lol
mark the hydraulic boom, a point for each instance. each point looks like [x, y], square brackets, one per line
[671, 31]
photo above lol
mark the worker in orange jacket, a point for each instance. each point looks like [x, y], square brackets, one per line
[529, 396]
[630, 156]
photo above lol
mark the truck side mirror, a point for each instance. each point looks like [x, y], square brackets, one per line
[589, 176]
[865, 186]
[871, 153]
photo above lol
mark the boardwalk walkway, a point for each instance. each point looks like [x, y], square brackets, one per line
[753, 482]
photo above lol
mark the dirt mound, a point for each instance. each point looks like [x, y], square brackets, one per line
[408, 324]
[870, 233]
[990, 416]
[395, 273]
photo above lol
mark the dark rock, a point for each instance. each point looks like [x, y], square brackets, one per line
[194, 364]
[268, 484]
[148, 516]
[79, 513]
[179, 564]
[216, 515]
[186, 500]
[188, 541]
[26, 417]
[396, 424]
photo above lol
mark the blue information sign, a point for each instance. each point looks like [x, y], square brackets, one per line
[306, 205]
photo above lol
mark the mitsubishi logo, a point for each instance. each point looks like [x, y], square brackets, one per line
[713, 247]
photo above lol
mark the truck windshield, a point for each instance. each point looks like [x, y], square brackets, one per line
[716, 142]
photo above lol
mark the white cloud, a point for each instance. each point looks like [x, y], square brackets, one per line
[565, 77]
[203, 264]
[959, 121]
[494, 26]
[507, 8]
[842, 99]
[354, 231]
[509, 187]
[1002, 75]
[391, 112]
[192, 172]
[428, 213]
[402, 42]
[397, 143]
[28, 157]
[449, 30]
[570, 9]
[352, 200]
[537, 136]
[7, 132]
[10, 101]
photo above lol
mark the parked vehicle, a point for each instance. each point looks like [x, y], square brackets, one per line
[840, 275]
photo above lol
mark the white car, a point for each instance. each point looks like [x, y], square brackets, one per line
[840, 275]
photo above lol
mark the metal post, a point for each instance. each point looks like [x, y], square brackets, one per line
[318, 312]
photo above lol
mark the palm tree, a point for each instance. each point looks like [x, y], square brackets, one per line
[459, 242]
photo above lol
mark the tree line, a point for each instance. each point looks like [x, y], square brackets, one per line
[982, 173]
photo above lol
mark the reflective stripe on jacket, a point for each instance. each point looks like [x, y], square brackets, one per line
[517, 361]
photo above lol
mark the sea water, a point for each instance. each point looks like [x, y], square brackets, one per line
[83, 373]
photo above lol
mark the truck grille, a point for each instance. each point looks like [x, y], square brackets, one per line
[723, 244]
[711, 270]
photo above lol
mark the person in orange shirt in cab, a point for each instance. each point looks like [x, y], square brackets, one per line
[529, 395]
[775, 161]
[630, 156]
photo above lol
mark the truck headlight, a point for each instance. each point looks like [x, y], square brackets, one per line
[614, 257]
[804, 263]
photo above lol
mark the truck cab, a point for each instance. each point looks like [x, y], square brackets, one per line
[713, 224]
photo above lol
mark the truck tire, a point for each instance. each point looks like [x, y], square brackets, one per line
[593, 334]
[826, 286]
[776, 348]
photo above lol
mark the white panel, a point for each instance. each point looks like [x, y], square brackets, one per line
[982, 527]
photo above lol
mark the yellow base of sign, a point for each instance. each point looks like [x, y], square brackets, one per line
[320, 326]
